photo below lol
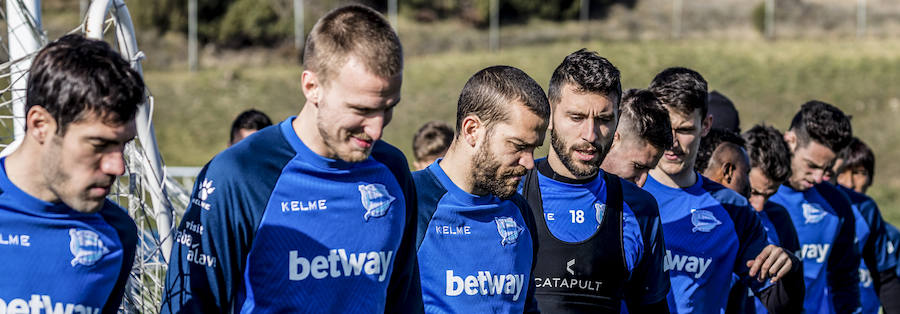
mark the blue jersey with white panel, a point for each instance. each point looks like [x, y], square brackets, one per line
[825, 227]
[711, 233]
[476, 253]
[58, 260]
[275, 227]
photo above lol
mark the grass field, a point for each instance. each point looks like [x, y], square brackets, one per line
[767, 80]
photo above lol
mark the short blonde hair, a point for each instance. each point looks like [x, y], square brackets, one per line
[353, 30]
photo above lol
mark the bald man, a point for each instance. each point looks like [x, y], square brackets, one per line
[722, 158]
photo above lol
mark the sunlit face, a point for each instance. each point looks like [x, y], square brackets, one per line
[687, 132]
[81, 165]
[353, 109]
[808, 163]
[582, 130]
[855, 178]
[631, 158]
[506, 152]
[761, 188]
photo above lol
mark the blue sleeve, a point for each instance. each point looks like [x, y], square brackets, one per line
[217, 230]
[118, 218]
[843, 262]
[877, 247]
[649, 283]
[429, 191]
[531, 305]
[404, 294]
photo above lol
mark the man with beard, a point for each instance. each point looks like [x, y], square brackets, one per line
[61, 241]
[593, 253]
[476, 241]
[711, 232]
[855, 167]
[822, 216]
[642, 134]
[314, 214]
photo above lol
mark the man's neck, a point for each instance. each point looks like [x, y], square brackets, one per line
[23, 171]
[683, 179]
[458, 167]
[307, 130]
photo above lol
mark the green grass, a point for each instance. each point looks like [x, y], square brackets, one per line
[767, 80]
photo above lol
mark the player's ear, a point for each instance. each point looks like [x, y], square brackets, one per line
[309, 83]
[40, 123]
[471, 129]
[791, 139]
[728, 172]
[706, 125]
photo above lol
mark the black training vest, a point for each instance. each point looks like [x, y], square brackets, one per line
[581, 277]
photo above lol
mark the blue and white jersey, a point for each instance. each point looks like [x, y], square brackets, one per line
[476, 253]
[649, 282]
[876, 248]
[275, 227]
[711, 233]
[58, 260]
[825, 227]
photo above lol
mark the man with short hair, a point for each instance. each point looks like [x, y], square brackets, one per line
[601, 241]
[724, 113]
[246, 123]
[856, 165]
[642, 134]
[62, 241]
[476, 241]
[722, 158]
[431, 142]
[316, 214]
[711, 232]
[823, 218]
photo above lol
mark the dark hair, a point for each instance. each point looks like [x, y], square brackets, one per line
[250, 119]
[587, 71]
[857, 153]
[432, 139]
[823, 123]
[75, 77]
[725, 115]
[682, 89]
[488, 93]
[768, 152]
[644, 116]
[710, 142]
[353, 30]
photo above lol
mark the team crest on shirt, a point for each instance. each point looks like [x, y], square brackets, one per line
[703, 220]
[509, 230]
[86, 246]
[599, 209]
[375, 199]
[813, 213]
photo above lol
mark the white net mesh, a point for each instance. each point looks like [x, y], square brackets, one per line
[147, 197]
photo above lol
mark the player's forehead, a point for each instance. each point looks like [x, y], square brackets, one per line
[573, 101]
[357, 85]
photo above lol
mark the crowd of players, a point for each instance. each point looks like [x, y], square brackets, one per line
[649, 201]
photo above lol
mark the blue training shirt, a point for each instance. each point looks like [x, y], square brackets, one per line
[58, 260]
[825, 227]
[476, 253]
[710, 233]
[275, 227]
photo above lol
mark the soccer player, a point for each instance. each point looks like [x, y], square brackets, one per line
[710, 231]
[315, 214]
[856, 166]
[722, 158]
[823, 218]
[476, 240]
[246, 123]
[724, 114]
[63, 244]
[591, 224]
[642, 134]
[431, 142]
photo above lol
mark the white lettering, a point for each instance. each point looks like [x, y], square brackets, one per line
[15, 239]
[485, 283]
[303, 206]
[690, 264]
[321, 266]
[36, 302]
[817, 252]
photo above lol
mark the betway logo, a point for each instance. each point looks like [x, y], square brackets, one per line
[486, 283]
[42, 302]
[685, 263]
[817, 252]
[339, 264]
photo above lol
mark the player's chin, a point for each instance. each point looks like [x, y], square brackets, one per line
[355, 155]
